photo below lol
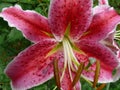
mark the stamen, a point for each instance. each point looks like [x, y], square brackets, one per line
[78, 74]
[101, 86]
[88, 65]
[117, 35]
[65, 59]
[50, 35]
[71, 64]
[70, 72]
[117, 39]
[56, 74]
[69, 69]
[72, 55]
[91, 62]
[70, 60]
[55, 88]
[97, 72]
[68, 54]
[87, 80]
[117, 31]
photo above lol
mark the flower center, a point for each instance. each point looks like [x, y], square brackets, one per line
[70, 61]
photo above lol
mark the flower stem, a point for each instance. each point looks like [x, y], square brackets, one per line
[23, 2]
[108, 86]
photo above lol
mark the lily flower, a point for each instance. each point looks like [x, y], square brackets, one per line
[73, 34]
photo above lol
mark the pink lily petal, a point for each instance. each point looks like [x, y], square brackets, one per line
[66, 83]
[80, 18]
[65, 12]
[117, 75]
[81, 57]
[99, 51]
[101, 8]
[105, 73]
[103, 2]
[31, 67]
[103, 23]
[110, 42]
[33, 25]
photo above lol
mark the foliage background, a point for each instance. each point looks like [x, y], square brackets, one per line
[12, 42]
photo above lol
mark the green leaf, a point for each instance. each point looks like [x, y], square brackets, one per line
[10, 1]
[114, 72]
[2, 37]
[3, 5]
[14, 35]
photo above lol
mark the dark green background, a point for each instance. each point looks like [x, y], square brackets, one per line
[12, 42]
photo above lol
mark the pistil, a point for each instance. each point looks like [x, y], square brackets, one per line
[70, 60]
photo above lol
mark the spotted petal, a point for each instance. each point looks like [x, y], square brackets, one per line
[65, 12]
[104, 22]
[117, 74]
[31, 67]
[99, 51]
[33, 25]
[105, 75]
[111, 43]
[67, 83]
